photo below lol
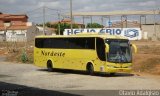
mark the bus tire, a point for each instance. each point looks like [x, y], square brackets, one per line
[49, 66]
[90, 69]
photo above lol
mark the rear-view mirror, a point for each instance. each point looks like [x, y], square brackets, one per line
[135, 47]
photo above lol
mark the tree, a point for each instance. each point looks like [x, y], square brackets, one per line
[48, 25]
[94, 25]
[63, 26]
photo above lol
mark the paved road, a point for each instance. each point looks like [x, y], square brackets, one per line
[29, 77]
[2, 58]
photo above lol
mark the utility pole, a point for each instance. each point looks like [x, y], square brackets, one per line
[121, 21]
[59, 26]
[83, 21]
[155, 25]
[140, 21]
[102, 20]
[109, 21]
[126, 21]
[91, 19]
[43, 20]
[145, 19]
[71, 16]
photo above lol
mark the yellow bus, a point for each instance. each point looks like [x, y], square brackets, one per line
[88, 52]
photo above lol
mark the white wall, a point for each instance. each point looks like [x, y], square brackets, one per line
[16, 35]
[150, 31]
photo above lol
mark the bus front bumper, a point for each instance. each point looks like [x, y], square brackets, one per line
[118, 70]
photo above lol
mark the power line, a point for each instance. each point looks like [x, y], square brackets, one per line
[57, 14]
[42, 16]
[28, 12]
[52, 9]
[60, 9]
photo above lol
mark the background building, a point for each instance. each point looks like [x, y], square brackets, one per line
[19, 29]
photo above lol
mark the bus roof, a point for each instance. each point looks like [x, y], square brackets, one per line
[103, 36]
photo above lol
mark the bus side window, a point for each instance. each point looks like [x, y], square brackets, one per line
[91, 43]
[39, 42]
[100, 49]
[86, 44]
[75, 43]
[47, 43]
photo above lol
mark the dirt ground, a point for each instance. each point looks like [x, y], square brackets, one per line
[15, 53]
[146, 60]
[148, 57]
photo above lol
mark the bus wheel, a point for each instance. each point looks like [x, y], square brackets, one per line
[90, 69]
[49, 66]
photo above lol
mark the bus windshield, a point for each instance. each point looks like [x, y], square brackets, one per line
[119, 52]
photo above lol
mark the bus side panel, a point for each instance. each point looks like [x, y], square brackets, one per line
[76, 59]
[38, 59]
[64, 58]
[73, 59]
[41, 56]
[98, 64]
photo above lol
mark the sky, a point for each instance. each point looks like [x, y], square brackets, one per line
[34, 8]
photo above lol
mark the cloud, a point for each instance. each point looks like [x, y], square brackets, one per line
[147, 3]
[22, 6]
[49, 4]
